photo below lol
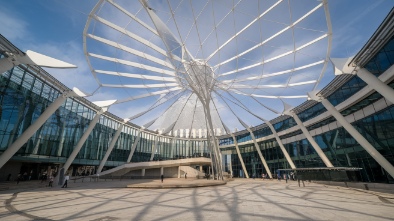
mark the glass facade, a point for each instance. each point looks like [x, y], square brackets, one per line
[24, 97]
[337, 144]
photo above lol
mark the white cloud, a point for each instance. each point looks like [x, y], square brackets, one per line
[12, 27]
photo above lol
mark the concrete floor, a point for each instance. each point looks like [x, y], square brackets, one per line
[240, 199]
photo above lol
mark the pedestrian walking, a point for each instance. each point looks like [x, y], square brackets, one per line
[50, 181]
[18, 178]
[30, 175]
[162, 178]
[66, 178]
[43, 177]
[185, 175]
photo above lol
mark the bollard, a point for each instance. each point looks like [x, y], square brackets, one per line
[366, 186]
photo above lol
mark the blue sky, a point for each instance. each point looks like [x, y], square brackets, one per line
[54, 28]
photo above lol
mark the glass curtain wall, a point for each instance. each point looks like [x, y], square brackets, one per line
[24, 97]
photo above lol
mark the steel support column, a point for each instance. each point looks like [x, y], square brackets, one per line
[358, 137]
[315, 146]
[154, 148]
[173, 146]
[136, 141]
[110, 148]
[239, 156]
[284, 151]
[259, 152]
[33, 128]
[375, 83]
[81, 141]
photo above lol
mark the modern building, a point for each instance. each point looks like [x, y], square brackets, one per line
[349, 123]
[367, 110]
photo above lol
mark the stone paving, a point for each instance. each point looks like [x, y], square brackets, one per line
[240, 199]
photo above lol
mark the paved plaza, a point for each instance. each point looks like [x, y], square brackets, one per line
[240, 199]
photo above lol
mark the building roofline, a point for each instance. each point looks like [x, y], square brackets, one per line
[8, 45]
[381, 36]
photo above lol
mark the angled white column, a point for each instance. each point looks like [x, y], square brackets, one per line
[358, 137]
[137, 140]
[173, 145]
[81, 141]
[231, 167]
[240, 156]
[154, 148]
[284, 151]
[308, 136]
[343, 66]
[259, 152]
[111, 147]
[374, 82]
[14, 147]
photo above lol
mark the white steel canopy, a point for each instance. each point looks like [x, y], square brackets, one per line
[208, 62]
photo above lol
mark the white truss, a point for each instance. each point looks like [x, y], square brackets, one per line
[184, 55]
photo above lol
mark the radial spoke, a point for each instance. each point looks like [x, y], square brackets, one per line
[140, 85]
[268, 96]
[131, 51]
[242, 86]
[156, 104]
[273, 74]
[147, 95]
[272, 37]
[242, 30]
[276, 57]
[133, 17]
[137, 76]
[133, 64]
[132, 35]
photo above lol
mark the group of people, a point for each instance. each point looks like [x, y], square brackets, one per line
[44, 177]
[21, 177]
[288, 176]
